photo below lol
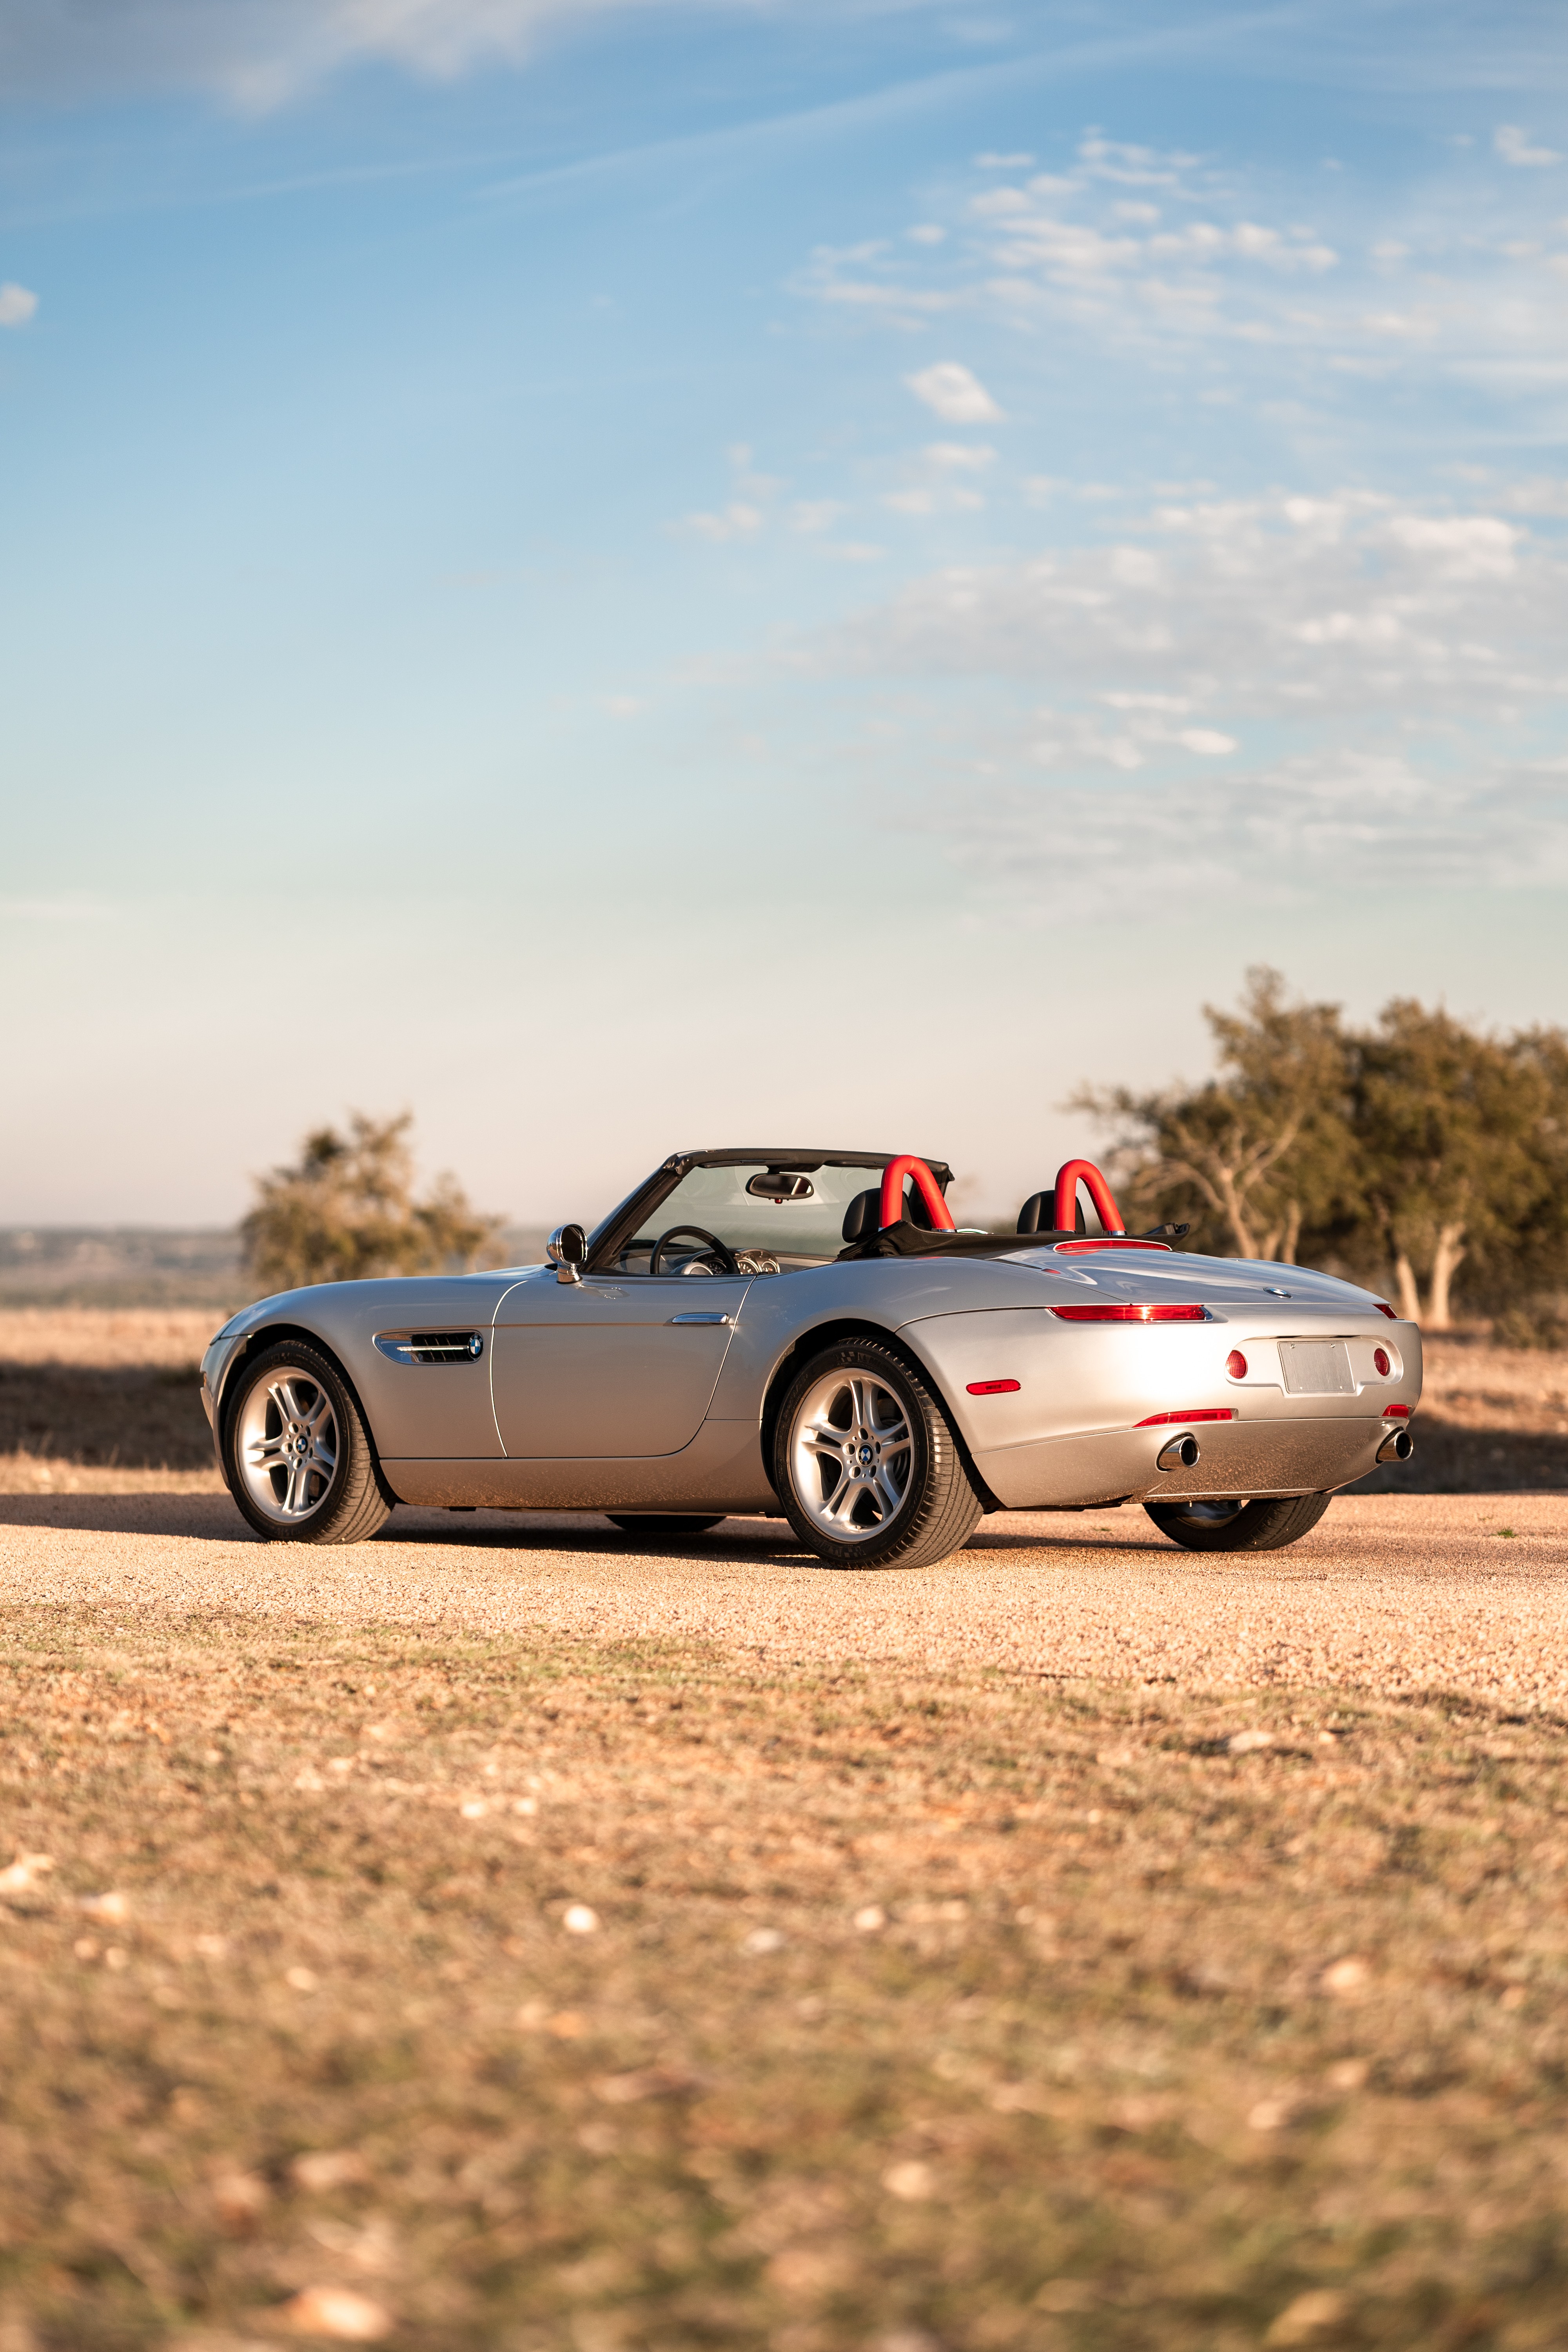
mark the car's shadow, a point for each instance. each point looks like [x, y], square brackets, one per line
[213, 1519]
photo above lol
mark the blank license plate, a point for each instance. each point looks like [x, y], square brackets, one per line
[1316, 1368]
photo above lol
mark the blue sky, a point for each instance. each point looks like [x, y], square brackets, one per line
[636, 575]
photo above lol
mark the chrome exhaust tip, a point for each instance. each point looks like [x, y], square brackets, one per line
[1397, 1447]
[1181, 1454]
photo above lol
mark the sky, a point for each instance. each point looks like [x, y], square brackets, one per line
[624, 577]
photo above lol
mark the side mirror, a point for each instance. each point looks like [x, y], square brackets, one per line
[567, 1250]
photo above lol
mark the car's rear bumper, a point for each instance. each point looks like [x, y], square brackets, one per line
[1235, 1458]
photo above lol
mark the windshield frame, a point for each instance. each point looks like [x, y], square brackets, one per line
[622, 1222]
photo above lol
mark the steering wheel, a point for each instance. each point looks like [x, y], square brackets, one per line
[721, 1250]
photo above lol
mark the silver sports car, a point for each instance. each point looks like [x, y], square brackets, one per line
[805, 1333]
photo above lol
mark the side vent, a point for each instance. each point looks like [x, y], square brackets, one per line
[431, 1346]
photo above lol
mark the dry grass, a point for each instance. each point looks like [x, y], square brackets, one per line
[919, 2013]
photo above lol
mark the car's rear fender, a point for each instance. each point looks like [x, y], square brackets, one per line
[1080, 1379]
[829, 1335]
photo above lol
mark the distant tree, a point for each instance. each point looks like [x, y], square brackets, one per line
[348, 1211]
[1462, 1150]
[1405, 1153]
[1260, 1152]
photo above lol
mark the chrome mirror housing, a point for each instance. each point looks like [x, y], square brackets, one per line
[566, 1249]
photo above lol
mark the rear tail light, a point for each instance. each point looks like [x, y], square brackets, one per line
[1396, 1412]
[1123, 1313]
[1236, 1364]
[1384, 1308]
[1199, 1412]
[1380, 1362]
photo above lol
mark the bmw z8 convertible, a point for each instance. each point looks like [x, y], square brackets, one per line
[805, 1334]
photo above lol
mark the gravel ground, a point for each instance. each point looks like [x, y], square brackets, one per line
[1396, 1595]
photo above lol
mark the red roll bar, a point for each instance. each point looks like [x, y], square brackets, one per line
[930, 1191]
[1071, 1173]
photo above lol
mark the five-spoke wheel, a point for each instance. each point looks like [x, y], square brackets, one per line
[865, 1463]
[295, 1452]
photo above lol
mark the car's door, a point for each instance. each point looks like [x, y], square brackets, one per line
[611, 1366]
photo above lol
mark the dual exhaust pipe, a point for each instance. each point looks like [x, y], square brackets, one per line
[1183, 1453]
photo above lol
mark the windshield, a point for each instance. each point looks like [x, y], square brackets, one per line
[782, 1217]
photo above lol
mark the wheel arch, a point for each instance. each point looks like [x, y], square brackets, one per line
[270, 1335]
[860, 1327]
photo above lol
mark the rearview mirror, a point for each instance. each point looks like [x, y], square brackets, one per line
[567, 1249]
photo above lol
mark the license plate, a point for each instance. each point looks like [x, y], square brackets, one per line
[1316, 1368]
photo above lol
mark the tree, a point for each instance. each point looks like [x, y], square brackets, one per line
[1260, 1152]
[1458, 1137]
[348, 1211]
[1410, 1154]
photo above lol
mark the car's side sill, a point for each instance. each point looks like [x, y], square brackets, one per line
[721, 1469]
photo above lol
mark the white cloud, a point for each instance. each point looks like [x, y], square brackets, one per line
[1461, 286]
[926, 233]
[18, 305]
[958, 457]
[1207, 741]
[815, 515]
[1306, 611]
[1513, 145]
[955, 393]
[262, 53]
[1355, 819]
[737, 521]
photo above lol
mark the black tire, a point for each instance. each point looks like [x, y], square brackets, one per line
[927, 1510]
[664, 1523]
[333, 1494]
[1239, 1527]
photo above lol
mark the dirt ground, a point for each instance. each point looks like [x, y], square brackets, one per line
[497, 1935]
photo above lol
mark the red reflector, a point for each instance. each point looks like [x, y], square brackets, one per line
[1380, 1362]
[1384, 1308]
[1201, 1412]
[992, 1388]
[1236, 1364]
[1122, 1313]
[1396, 1412]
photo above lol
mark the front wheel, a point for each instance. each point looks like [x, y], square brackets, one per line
[296, 1456]
[1238, 1526]
[866, 1465]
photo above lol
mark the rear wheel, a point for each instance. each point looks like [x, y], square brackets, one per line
[1238, 1526]
[296, 1456]
[867, 1467]
[663, 1523]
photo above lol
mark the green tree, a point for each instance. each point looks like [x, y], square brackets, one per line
[1258, 1154]
[1462, 1150]
[347, 1211]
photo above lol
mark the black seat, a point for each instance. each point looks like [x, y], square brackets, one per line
[1039, 1214]
[864, 1215]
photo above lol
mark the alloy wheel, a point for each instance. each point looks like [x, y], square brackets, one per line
[286, 1443]
[851, 1453]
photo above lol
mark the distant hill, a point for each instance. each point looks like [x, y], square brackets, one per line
[152, 1266]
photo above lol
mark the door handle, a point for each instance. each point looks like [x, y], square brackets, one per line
[699, 1318]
